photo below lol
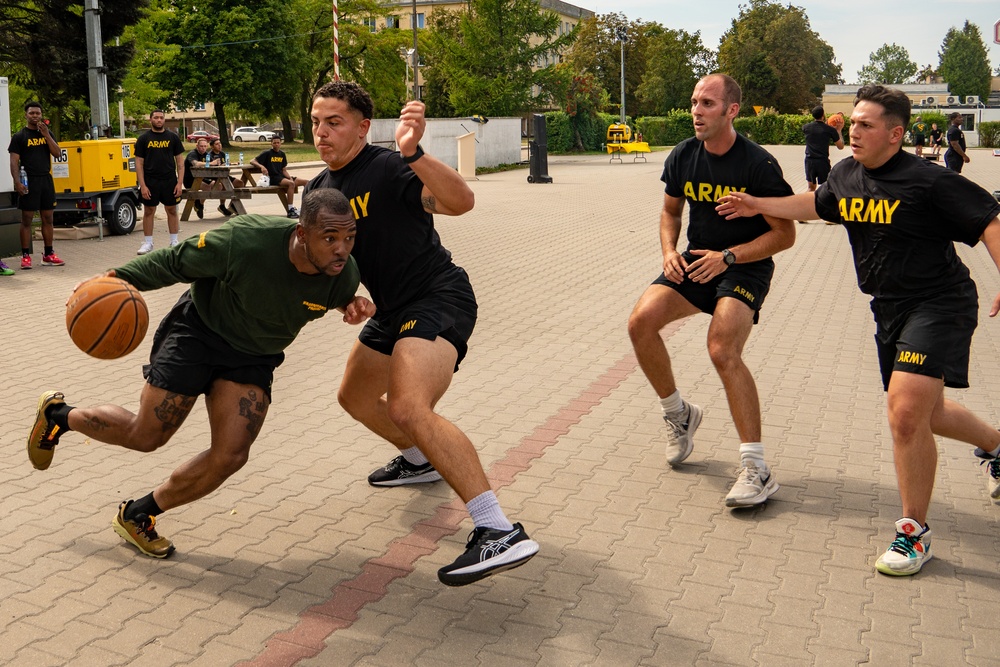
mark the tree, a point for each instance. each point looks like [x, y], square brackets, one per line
[965, 64]
[776, 57]
[241, 57]
[580, 96]
[598, 51]
[489, 67]
[675, 60]
[888, 64]
[45, 50]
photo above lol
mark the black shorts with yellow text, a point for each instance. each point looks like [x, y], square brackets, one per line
[161, 191]
[748, 283]
[931, 337]
[448, 309]
[187, 356]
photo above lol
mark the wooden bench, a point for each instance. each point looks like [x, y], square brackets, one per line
[269, 190]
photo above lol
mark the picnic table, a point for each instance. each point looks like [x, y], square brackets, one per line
[224, 174]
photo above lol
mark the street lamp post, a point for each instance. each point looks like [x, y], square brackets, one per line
[622, 35]
[406, 69]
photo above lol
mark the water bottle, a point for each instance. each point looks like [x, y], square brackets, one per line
[241, 158]
[24, 178]
[227, 159]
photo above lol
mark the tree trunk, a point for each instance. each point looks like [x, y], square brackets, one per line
[220, 118]
[286, 128]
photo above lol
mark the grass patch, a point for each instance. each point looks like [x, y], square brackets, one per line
[296, 151]
[501, 167]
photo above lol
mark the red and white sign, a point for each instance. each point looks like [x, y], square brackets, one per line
[996, 32]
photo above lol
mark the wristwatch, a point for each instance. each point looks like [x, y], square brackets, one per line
[728, 257]
[408, 159]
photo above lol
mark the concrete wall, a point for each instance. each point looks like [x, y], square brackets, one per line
[498, 141]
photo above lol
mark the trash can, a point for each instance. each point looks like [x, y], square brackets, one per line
[538, 153]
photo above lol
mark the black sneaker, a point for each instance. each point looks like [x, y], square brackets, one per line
[223, 210]
[399, 471]
[487, 552]
[293, 212]
[199, 208]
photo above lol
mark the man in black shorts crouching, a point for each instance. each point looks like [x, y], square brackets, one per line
[406, 355]
[903, 217]
[725, 272]
[255, 282]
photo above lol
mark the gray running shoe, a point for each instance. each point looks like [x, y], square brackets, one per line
[399, 471]
[680, 434]
[751, 487]
[992, 464]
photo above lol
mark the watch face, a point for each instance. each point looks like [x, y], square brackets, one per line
[729, 258]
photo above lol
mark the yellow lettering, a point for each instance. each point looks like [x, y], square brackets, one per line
[36, 142]
[313, 306]
[874, 211]
[704, 192]
[843, 209]
[689, 190]
[201, 239]
[889, 208]
[407, 326]
[363, 202]
[856, 206]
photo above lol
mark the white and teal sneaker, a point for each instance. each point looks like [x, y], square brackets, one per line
[908, 552]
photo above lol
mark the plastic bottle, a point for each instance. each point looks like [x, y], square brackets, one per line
[24, 178]
[241, 158]
[227, 159]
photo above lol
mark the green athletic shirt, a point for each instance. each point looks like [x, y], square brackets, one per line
[243, 284]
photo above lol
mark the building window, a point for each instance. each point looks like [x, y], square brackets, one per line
[420, 20]
[392, 21]
[370, 22]
[199, 106]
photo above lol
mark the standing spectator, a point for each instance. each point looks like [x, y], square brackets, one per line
[198, 157]
[31, 150]
[955, 157]
[919, 132]
[725, 272]
[160, 170]
[819, 135]
[274, 163]
[406, 356]
[936, 141]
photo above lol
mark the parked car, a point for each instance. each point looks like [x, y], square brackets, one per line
[202, 134]
[252, 134]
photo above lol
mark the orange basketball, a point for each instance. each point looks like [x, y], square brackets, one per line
[106, 317]
[836, 121]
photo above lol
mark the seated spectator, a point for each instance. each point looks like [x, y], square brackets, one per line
[198, 157]
[218, 157]
[274, 163]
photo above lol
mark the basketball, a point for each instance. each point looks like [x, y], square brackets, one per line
[836, 121]
[106, 317]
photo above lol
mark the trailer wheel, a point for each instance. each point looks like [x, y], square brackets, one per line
[122, 220]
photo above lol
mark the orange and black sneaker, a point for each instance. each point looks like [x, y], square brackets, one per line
[45, 433]
[140, 531]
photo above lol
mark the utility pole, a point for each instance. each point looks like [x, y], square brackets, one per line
[415, 63]
[99, 119]
[622, 35]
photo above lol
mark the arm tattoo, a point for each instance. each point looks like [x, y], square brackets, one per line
[174, 410]
[254, 409]
[430, 203]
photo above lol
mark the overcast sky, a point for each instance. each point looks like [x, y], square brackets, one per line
[854, 28]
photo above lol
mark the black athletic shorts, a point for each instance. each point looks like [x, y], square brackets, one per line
[749, 283]
[918, 140]
[187, 356]
[41, 194]
[817, 170]
[932, 337]
[954, 161]
[161, 191]
[448, 310]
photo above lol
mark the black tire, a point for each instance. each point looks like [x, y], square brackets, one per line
[531, 179]
[123, 218]
[262, 138]
[238, 137]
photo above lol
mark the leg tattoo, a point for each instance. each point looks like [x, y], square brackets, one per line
[174, 410]
[253, 409]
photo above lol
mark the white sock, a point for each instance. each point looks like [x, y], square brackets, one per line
[753, 452]
[414, 455]
[486, 513]
[173, 238]
[995, 452]
[148, 239]
[672, 403]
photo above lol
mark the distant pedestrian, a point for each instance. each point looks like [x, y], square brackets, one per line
[159, 166]
[936, 140]
[31, 151]
[919, 134]
[955, 157]
[819, 136]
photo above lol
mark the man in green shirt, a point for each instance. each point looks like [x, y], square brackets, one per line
[255, 282]
[919, 135]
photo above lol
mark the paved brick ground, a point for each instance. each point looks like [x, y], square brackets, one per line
[297, 561]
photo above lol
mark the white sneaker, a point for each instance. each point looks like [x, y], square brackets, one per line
[992, 464]
[174, 243]
[146, 247]
[908, 552]
[680, 433]
[753, 486]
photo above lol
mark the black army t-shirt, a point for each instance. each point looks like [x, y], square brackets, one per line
[158, 150]
[398, 251]
[275, 163]
[701, 179]
[818, 138]
[955, 134]
[902, 220]
[33, 150]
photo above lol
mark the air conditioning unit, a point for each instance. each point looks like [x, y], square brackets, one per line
[951, 100]
[930, 101]
[972, 99]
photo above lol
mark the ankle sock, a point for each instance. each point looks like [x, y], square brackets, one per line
[60, 415]
[145, 505]
[753, 452]
[486, 513]
[672, 403]
[414, 455]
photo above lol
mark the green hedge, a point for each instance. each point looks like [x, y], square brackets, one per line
[561, 129]
[989, 134]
